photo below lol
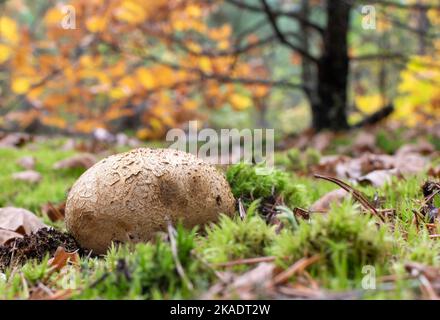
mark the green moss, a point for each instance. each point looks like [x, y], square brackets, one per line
[346, 240]
[233, 238]
[148, 271]
[247, 183]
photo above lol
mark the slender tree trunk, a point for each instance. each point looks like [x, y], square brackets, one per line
[423, 27]
[330, 109]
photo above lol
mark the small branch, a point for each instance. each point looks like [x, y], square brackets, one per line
[399, 5]
[244, 261]
[379, 56]
[225, 53]
[376, 116]
[356, 194]
[179, 268]
[297, 267]
[273, 21]
[277, 13]
[225, 78]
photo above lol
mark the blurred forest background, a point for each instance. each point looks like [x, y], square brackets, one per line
[144, 67]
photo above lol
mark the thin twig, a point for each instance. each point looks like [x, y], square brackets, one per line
[298, 266]
[245, 261]
[356, 194]
[179, 268]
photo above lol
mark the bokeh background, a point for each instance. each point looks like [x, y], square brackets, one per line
[144, 67]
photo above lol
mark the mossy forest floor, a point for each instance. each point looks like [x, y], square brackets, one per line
[380, 241]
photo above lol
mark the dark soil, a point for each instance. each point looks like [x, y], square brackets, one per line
[36, 246]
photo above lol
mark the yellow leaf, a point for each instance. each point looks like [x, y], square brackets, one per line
[370, 103]
[54, 121]
[96, 24]
[5, 53]
[193, 11]
[53, 16]
[205, 64]
[87, 125]
[117, 93]
[145, 78]
[9, 30]
[20, 85]
[130, 12]
[239, 101]
[143, 133]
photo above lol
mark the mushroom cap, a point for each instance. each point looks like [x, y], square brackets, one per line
[128, 197]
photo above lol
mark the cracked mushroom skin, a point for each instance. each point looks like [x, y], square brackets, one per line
[128, 197]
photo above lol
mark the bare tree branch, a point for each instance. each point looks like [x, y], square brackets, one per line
[225, 78]
[379, 56]
[277, 13]
[273, 21]
[399, 5]
[232, 52]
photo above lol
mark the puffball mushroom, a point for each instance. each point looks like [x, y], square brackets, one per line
[128, 197]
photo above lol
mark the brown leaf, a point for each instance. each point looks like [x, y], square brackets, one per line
[45, 294]
[14, 140]
[30, 176]
[55, 212]
[410, 163]
[422, 147]
[365, 142]
[42, 292]
[61, 258]
[377, 178]
[358, 168]
[8, 235]
[322, 140]
[323, 204]
[83, 160]
[434, 172]
[27, 162]
[328, 164]
[19, 220]
[247, 285]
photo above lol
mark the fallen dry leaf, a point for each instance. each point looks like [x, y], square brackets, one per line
[377, 178]
[41, 292]
[8, 235]
[323, 204]
[27, 162]
[257, 277]
[248, 285]
[30, 176]
[357, 169]
[83, 160]
[423, 147]
[14, 140]
[322, 140]
[19, 220]
[328, 164]
[365, 142]
[55, 212]
[61, 258]
[434, 172]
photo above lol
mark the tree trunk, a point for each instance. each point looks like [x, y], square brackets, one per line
[330, 109]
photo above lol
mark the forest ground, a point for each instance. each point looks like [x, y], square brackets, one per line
[293, 236]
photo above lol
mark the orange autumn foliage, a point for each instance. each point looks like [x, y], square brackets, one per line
[122, 58]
